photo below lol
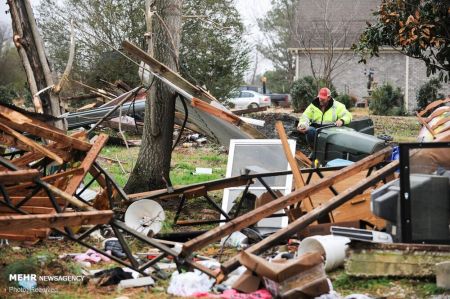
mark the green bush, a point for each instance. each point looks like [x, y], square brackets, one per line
[348, 100]
[428, 93]
[387, 100]
[304, 90]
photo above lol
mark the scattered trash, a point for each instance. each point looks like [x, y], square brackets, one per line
[236, 240]
[28, 283]
[92, 257]
[364, 235]
[145, 216]
[332, 248]
[136, 282]
[188, 283]
[112, 276]
[200, 170]
[113, 245]
[300, 277]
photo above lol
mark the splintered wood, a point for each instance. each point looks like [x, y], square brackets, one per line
[41, 169]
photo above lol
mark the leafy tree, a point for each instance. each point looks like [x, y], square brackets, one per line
[213, 50]
[304, 90]
[387, 100]
[277, 27]
[98, 24]
[347, 100]
[216, 58]
[13, 80]
[418, 28]
[428, 93]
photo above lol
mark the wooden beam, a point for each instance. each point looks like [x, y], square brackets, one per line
[315, 214]
[433, 105]
[49, 179]
[435, 113]
[20, 122]
[36, 147]
[39, 201]
[303, 159]
[282, 202]
[298, 178]
[19, 222]
[167, 73]
[441, 122]
[87, 163]
[6, 139]
[210, 186]
[71, 199]
[229, 117]
[425, 124]
[12, 177]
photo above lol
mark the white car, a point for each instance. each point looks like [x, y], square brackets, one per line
[248, 99]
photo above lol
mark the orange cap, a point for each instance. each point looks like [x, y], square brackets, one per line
[324, 93]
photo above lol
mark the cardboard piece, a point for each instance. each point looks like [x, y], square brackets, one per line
[248, 282]
[303, 277]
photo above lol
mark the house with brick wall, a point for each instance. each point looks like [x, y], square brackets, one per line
[324, 32]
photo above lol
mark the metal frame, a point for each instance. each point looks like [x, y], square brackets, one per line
[118, 227]
[405, 191]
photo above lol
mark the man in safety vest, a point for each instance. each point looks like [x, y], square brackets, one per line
[324, 110]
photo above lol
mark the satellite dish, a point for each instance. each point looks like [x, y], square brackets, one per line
[145, 216]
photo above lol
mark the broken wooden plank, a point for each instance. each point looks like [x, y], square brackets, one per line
[315, 214]
[425, 124]
[298, 178]
[40, 201]
[36, 147]
[282, 202]
[71, 199]
[49, 179]
[6, 139]
[60, 220]
[12, 177]
[21, 122]
[87, 163]
[229, 117]
[433, 105]
[166, 73]
[210, 186]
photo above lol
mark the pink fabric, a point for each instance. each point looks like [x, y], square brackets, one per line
[233, 294]
[92, 256]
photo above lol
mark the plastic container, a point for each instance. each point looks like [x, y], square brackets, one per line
[331, 247]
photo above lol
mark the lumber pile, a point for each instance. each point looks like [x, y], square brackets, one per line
[41, 170]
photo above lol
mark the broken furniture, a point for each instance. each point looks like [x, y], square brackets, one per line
[40, 190]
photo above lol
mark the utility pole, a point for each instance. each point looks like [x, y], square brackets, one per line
[30, 46]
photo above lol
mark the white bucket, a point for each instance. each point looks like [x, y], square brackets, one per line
[331, 247]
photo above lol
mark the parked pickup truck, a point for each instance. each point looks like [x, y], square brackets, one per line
[277, 99]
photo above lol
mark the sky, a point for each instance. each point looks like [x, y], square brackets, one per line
[250, 11]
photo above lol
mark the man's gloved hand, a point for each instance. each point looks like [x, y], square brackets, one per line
[302, 128]
[339, 123]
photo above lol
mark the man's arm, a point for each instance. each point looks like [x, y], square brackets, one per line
[343, 115]
[305, 120]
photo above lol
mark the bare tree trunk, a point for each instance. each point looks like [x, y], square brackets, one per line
[153, 162]
[31, 50]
